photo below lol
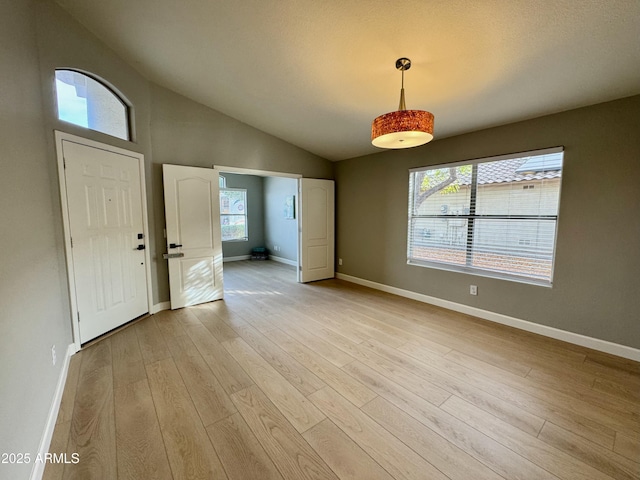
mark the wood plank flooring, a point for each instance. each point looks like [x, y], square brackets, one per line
[331, 380]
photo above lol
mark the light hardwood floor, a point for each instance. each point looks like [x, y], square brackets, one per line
[331, 380]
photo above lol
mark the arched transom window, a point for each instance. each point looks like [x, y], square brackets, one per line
[86, 102]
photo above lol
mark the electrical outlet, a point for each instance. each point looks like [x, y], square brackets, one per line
[473, 289]
[53, 354]
[339, 261]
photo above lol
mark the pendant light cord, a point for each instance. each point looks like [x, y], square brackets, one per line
[402, 105]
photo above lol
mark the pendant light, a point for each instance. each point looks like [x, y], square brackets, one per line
[403, 128]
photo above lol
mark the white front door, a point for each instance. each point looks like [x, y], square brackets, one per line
[317, 237]
[105, 212]
[194, 246]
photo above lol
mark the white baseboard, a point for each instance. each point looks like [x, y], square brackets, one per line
[236, 259]
[45, 441]
[293, 263]
[575, 338]
[158, 307]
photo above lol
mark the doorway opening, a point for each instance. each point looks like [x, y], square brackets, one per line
[195, 221]
[259, 213]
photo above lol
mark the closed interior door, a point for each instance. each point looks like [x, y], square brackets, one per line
[107, 236]
[317, 237]
[194, 244]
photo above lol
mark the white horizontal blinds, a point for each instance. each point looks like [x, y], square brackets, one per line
[492, 215]
[517, 208]
[436, 232]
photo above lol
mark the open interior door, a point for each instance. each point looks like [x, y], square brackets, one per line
[194, 246]
[317, 237]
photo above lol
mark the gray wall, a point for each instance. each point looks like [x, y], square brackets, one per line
[35, 313]
[278, 230]
[596, 283]
[255, 214]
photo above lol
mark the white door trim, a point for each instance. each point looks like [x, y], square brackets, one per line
[258, 173]
[60, 136]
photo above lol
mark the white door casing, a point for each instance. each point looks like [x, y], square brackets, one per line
[192, 208]
[105, 221]
[317, 235]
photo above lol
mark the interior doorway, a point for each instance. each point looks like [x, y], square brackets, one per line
[268, 218]
[307, 206]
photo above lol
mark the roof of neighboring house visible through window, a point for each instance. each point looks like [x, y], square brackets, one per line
[523, 169]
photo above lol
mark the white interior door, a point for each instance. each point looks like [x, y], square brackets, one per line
[194, 246]
[105, 212]
[317, 237]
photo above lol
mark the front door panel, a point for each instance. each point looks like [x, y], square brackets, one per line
[105, 218]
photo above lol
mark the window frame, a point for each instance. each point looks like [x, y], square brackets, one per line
[471, 217]
[128, 109]
[246, 214]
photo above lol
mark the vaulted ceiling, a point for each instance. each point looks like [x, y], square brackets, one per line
[317, 72]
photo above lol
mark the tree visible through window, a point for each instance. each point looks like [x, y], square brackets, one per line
[233, 214]
[86, 102]
[495, 217]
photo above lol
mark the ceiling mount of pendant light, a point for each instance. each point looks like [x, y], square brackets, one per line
[402, 128]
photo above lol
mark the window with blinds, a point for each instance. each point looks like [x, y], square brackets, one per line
[493, 216]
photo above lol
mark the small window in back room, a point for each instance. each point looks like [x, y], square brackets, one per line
[233, 214]
[86, 102]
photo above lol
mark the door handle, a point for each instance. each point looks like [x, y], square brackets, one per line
[140, 247]
[167, 256]
[174, 245]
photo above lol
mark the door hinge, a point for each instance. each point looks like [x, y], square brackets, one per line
[64, 163]
[78, 317]
[71, 239]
